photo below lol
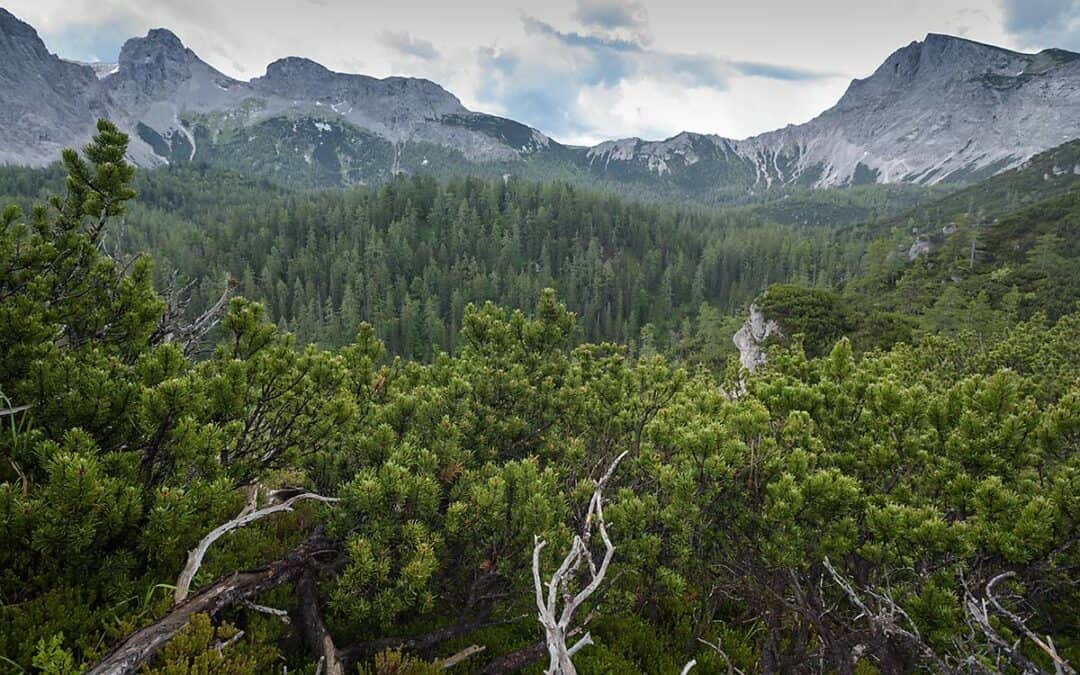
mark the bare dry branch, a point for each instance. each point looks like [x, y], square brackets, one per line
[451, 661]
[246, 517]
[222, 645]
[421, 643]
[732, 670]
[1060, 664]
[11, 411]
[884, 618]
[171, 326]
[979, 614]
[556, 630]
[272, 611]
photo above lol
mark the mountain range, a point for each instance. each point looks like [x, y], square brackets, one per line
[942, 110]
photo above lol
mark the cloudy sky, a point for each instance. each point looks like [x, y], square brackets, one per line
[579, 70]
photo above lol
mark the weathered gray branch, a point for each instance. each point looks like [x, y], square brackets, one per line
[451, 661]
[1061, 666]
[246, 517]
[272, 611]
[732, 670]
[557, 624]
[173, 329]
[885, 620]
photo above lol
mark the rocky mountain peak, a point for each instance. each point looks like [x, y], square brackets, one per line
[160, 54]
[294, 67]
[165, 38]
[157, 67]
[939, 109]
[44, 100]
[934, 61]
[12, 26]
[20, 46]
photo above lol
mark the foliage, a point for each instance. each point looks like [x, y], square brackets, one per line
[918, 472]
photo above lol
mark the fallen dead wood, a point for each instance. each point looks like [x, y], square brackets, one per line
[515, 661]
[139, 647]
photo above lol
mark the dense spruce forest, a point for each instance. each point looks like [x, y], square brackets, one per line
[410, 256]
[353, 462]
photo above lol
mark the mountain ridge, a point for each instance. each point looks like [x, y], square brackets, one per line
[941, 110]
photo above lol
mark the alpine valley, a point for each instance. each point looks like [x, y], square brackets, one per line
[321, 374]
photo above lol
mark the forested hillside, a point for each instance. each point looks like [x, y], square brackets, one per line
[914, 507]
[409, 257]
[978, 260]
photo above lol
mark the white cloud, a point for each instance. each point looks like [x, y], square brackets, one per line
[403, 43]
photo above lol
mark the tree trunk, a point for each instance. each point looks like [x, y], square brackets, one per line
[319, 639]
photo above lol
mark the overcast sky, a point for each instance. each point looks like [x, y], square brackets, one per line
[579, 70]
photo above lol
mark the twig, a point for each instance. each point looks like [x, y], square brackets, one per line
[1060, 664]
[272, 611]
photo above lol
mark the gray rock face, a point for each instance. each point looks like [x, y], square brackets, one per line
[918, 248]
[159, 91]
[944, 109]
[46, 103]
[750, 338]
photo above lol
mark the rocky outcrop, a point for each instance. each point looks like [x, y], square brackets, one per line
[46, 103]
[943, 109]
[751, 338]
[160, 91]
[919, 247]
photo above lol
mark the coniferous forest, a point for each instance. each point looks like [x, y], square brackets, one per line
[501, 425]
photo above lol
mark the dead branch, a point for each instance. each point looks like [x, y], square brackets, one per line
[139, 647]
[354, 653]
[884, 619]
[557, 624]
[15, 409]
[171, 327]
[979, 614]
[515, 661]
[732, 670]
[222, 644]
[451, 661]
[1060, 664]
[272, 611]
[246, 517]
